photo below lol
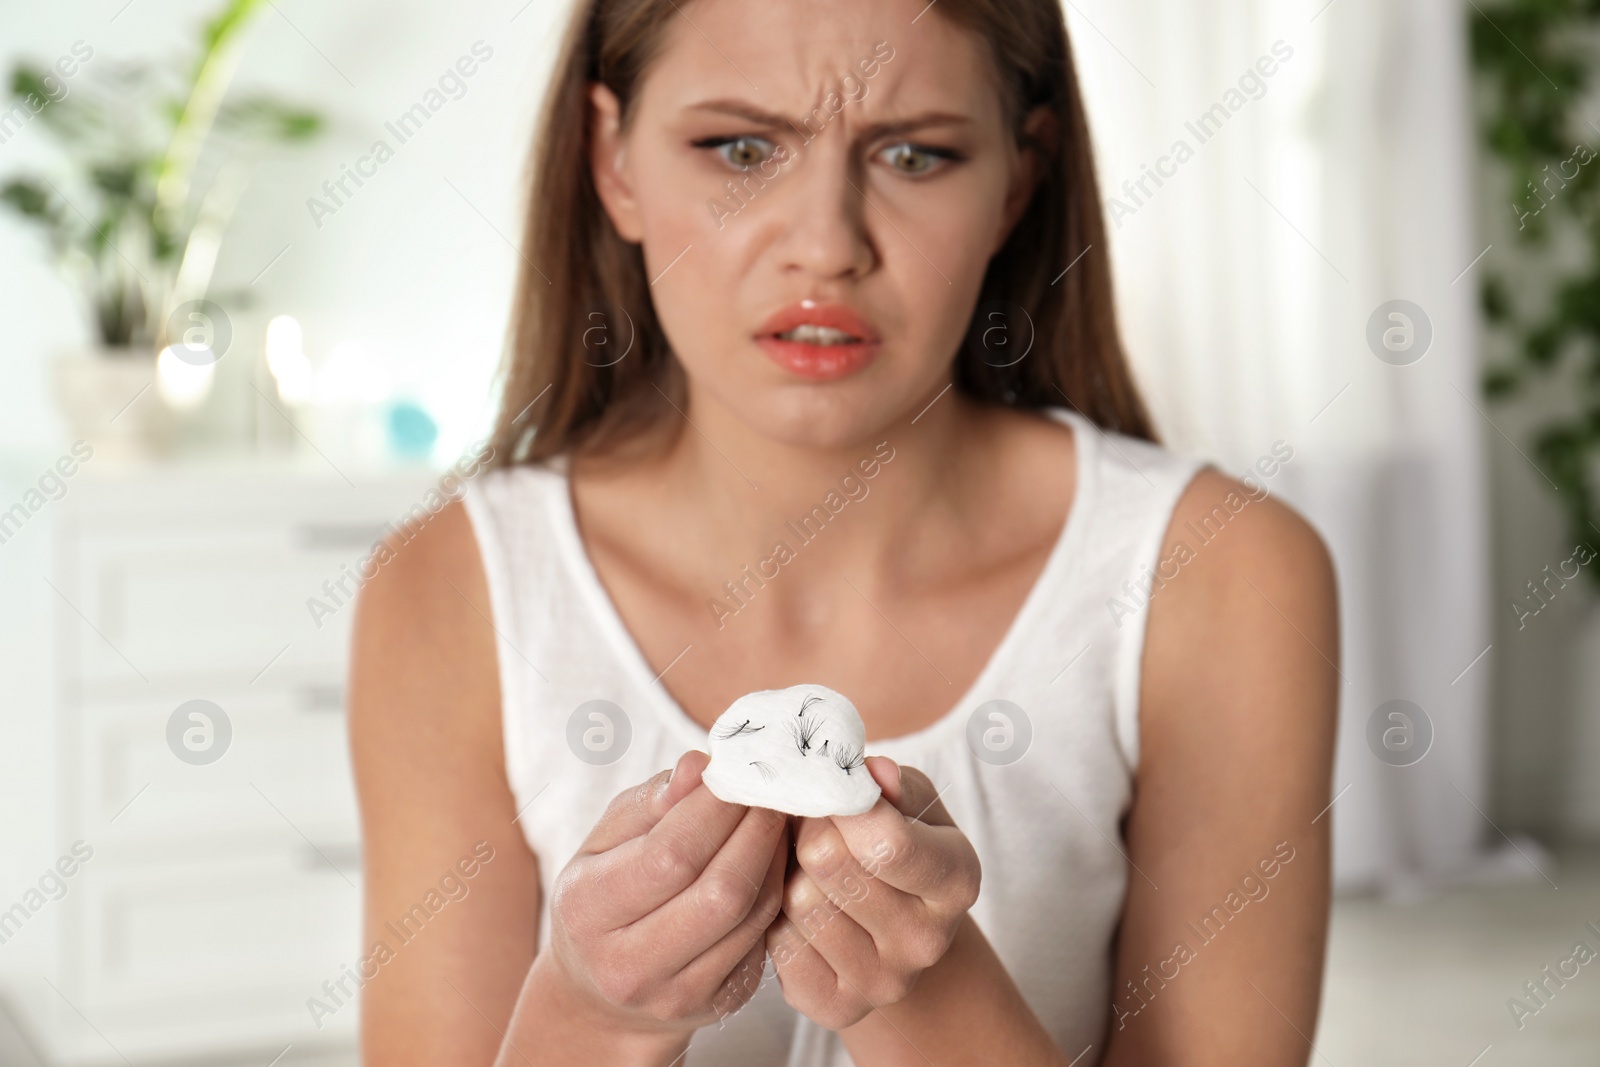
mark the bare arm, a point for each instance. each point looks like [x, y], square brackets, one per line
[1237, 719]
[425, 739]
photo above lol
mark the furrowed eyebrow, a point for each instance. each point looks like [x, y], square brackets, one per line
[771, 120]
[741, 111]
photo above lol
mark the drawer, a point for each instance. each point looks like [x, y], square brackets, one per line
[226, 945]
[285, 772]
[224, 607]
[207, 573]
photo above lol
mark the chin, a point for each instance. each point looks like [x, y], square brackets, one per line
[837, 416]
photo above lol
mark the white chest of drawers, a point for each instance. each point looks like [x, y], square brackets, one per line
[220, 896]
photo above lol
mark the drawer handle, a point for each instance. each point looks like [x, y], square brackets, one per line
[322, 698]
[338, 535]
[345, 858]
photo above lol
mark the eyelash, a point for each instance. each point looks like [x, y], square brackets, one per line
[848, 757]
[717, 144]
[804, 729]
[730, 730]
[940, 156]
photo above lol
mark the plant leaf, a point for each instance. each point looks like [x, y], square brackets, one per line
[269, 119]
[29, 199]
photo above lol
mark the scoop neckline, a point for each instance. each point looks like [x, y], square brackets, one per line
[1062, 558]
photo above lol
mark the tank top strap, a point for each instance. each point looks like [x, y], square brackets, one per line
[1136, 485]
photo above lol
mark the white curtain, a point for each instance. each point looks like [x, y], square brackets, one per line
[1335, 178]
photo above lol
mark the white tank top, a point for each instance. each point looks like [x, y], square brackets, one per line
[1040, 793]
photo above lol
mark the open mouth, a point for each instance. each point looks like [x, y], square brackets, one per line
[819, 341]
[812, 334]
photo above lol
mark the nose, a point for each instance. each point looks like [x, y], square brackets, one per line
[825, 214]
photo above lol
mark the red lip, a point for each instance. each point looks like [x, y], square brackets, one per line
[819, 362]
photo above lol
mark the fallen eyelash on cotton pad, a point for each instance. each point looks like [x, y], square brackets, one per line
[805, 769]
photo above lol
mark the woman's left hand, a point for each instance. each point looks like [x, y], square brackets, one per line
[874, 901]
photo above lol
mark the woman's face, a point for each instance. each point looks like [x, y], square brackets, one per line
[818, 189]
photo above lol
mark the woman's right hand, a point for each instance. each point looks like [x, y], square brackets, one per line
[660, 919]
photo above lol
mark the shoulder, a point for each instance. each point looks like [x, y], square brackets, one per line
[429, 578]
[1241, 656]
[423, 654]
[1232, 544]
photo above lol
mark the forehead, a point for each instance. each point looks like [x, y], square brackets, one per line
[784, 56]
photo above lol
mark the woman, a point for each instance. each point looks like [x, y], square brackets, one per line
[815, 379]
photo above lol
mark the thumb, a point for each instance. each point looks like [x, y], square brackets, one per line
[635, 811]
[886, 772]
[684, 778]
[909, 791]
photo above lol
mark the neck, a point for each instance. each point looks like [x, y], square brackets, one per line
[859, 502]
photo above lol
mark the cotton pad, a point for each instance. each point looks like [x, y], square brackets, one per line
[799, 750]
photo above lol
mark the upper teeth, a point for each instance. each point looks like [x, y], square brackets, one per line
[811, 334]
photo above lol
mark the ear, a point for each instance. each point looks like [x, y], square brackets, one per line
[608, 162]
[1037, 146]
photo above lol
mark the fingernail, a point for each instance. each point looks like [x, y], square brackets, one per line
[895, 764]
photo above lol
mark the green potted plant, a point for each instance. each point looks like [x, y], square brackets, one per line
[152, 167]
[1534, 62]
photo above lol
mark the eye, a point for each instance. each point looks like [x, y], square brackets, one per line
[915, 159]
[742, 152]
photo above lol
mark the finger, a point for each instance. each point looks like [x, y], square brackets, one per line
[907, 838]
[742, 983]
[721, 900]
[635, 811]
[909, 791]
[635, 878]
[825, 857]
[735, 984]
[833, 933]
[809, 983]
[883, 832]
[936, 863]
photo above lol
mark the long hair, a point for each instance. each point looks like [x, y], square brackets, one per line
[583, 298]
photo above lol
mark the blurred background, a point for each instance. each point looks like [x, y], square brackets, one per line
[255, 266]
